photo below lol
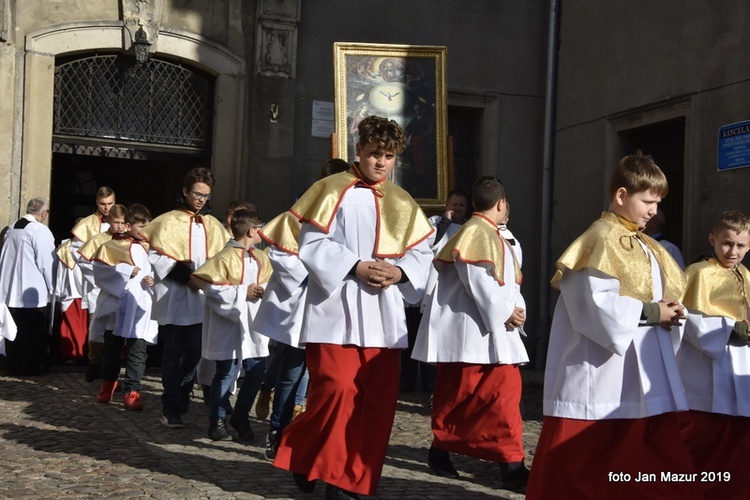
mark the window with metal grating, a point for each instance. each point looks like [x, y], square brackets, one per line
[113, 97]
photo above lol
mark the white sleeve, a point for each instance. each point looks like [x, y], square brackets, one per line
[225, 300]
[288, 269]
[161, 264]
[415, 264]
[598, 311]
[708, 334]
[495, 302]
[327, 261]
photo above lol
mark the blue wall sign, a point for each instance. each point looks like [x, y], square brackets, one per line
[734, 146]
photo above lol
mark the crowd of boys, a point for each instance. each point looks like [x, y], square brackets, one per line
[648, 368]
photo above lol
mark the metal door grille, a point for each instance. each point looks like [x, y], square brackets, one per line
[113, 97]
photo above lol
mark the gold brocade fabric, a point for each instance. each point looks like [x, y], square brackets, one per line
[117, 251]
[610, 245]
[479, 242]
[715, 290]
[89, 249]
[88, 227]
[169, 234]
[64, 255]
[401, 223]
[283, 232]
[228, 267]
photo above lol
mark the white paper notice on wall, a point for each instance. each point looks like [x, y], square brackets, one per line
[322, 119]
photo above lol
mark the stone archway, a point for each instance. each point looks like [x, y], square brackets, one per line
[43, 46]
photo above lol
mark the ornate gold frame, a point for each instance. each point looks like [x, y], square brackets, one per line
[405, 83]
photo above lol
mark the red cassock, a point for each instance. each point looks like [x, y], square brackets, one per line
[720, 447]
[73, 331]
[625, 451]
[475, 411]
[342, 437]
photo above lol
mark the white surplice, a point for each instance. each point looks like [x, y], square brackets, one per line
[26, 265]
[228, 319]
[464, 320]
[281, 310]
[601, 364]
[342, 310]
[175, 303]
[124, 303]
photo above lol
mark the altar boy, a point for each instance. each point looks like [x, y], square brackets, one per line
[233, 283]
[471, 329]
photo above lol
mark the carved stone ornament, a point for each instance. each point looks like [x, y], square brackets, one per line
[137, 13]
[276, 49]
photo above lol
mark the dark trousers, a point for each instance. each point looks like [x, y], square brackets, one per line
[28, 353]
[135, 363]
[182, 351]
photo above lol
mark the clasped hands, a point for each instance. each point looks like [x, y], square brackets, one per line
[378, 273]
[670, 313]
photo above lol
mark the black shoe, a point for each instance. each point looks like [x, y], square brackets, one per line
[336, 493]
[272, 444]
[171, 421]
[241, 424]
[440, 462]
[217, 430]
[515, 476]
[93, 372]
[303, 484]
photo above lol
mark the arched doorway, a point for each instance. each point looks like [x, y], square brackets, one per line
[134, 127]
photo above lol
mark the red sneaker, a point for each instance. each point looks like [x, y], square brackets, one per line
[106, 392]
[133, 401]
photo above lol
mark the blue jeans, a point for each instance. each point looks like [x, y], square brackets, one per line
[254, 370]
[292, 368]
[301, 394]
[182, 351]
[226, 374]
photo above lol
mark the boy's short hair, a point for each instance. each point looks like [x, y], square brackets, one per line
[384, 133]
[487, 191]
[734, 220]
[198, 174]
[637, 173]
[233, 206]
[333, 166]
[104, 192]
[137, 213]
[118, 211]
[243, 220]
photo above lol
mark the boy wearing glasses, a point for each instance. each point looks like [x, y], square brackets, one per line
[181, 241]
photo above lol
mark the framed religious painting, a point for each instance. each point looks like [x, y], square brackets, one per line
[404, 83]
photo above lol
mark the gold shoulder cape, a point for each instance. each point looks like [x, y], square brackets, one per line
[169, 234]
[89, 249]
[715, 290]
[64, 255]
[117, 251]
[88, 227]
[610, 245]
[283, 232]
[478, 242]
[401, 224]
[228, 267]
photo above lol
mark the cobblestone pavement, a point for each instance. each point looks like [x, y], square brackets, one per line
[57, 442]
